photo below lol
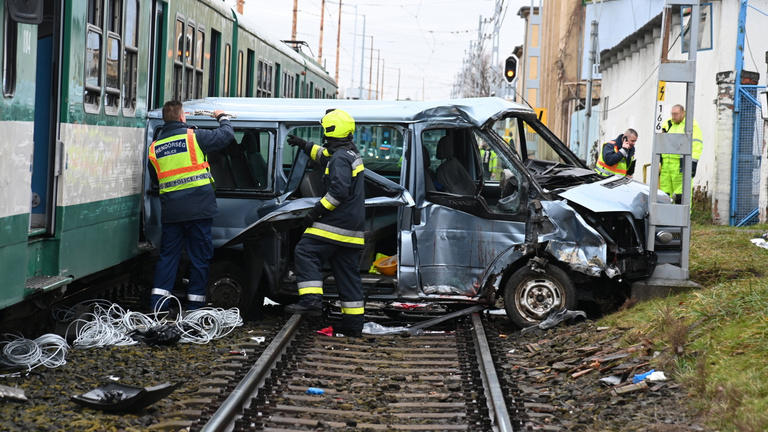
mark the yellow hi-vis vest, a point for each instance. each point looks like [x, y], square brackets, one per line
[179, 162]
[606, 170]
[671, 162]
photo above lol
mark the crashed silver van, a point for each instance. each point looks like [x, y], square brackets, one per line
[478, 200]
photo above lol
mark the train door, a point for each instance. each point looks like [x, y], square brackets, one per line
[45, 161]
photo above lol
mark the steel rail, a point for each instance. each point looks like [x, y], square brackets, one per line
[223, 418]
[494, 394]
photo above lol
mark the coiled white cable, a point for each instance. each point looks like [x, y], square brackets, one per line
[112, 325]
[49, 350]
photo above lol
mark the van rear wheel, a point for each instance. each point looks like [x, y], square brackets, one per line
[530, 296]
[228, 287]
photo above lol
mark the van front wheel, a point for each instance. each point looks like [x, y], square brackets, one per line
[530, 296]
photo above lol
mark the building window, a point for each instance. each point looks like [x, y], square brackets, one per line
[10, 29]
[93, 49]
[114, 55]
[130, 57]
[227, 67]
[239, 73]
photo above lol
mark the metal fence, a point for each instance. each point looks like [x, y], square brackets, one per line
[746, 154]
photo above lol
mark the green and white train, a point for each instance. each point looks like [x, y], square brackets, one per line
[78, 80]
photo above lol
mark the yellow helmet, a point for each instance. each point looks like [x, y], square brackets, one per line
[337, 124]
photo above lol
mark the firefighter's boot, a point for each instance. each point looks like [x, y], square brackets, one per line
[308, 304]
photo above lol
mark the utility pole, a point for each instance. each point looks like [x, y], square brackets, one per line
[322, 21]
[588, 100]
[382, 80]
[398, 83]
[370, 71]
[338, 44]
[295, 16]
[378, 64]
[362, 62]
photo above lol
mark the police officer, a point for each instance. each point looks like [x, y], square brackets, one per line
[335, 225]
[179, 168]
[618, 155]
[671, 172]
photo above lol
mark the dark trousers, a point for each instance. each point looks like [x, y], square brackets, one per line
[310, 254]
[195, 236]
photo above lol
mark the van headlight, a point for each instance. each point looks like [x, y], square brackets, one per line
[664, 237]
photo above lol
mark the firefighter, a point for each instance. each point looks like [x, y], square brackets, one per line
[179, 168]
[671, 172]
[335, 225]
[618, 155]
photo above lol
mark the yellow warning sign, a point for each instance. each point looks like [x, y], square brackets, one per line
[662, 90]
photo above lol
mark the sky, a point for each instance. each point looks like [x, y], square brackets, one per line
[425, 39]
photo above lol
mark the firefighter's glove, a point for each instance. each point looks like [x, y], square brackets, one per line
[311, 217]
[295, 141]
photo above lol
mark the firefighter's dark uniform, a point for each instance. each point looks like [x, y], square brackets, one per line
[336, 233]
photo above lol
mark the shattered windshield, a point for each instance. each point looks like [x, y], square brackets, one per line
[549, 161]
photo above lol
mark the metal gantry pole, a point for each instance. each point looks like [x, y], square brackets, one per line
[671, 267]
[362, 62]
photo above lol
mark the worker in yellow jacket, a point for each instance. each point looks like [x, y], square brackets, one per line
[671, 172]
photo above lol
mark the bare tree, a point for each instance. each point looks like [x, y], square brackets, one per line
[478, 77]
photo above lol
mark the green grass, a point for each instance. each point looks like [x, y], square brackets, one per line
[721, 329]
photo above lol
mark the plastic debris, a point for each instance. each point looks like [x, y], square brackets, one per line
[555, 318]
[641, 377]
[408, 306]
[163, 334]
[656, 376]
[122, 398]
[631, 388]
[315, 391]
[378, 329]
[760, 242]
[612, 380]
[258, 339]
[328, 331]
[12, 393]
[113, 378]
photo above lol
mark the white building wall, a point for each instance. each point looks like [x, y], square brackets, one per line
[628, 76]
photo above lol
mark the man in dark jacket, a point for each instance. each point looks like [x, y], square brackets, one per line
[179, 168]
[335, 225]
[618, 156]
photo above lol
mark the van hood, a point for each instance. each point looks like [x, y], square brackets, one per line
[614, 194]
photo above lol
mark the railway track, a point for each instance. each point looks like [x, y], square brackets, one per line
[435, 381]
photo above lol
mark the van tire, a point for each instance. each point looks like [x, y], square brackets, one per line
[228, 287]
[530, 296]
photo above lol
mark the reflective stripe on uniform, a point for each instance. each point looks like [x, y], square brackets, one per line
[353, 307]
[329, 202]
[310, 287]
[184, 180]
[335, 233]
[610, 169]
[357, 166]
[196, 298]
[311, 290]
[317, 149]
[160, 291]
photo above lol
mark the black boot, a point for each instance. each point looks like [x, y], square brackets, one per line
[308, 304]
[351, 325]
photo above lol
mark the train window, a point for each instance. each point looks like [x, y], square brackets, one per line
[189, 60]
[93, 49]
[249, 73]
[227, 67]
[199, 48]
[112, 98]
[9, 55]
[268, 87]
[213, 69]
[311, 93]
[114, 24]
[259, 77]
[239, 73]
[178, 65]
[278, 83]
[130, 56]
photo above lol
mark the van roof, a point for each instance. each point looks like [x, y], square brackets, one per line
[474, 110]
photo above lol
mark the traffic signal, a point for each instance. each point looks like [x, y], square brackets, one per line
[510, 68]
